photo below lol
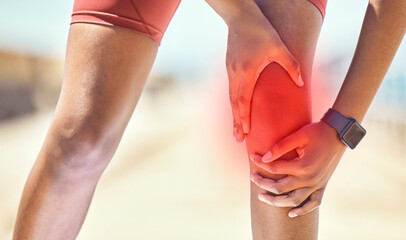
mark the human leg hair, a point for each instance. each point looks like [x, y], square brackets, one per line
[279, 108]
[105, 72]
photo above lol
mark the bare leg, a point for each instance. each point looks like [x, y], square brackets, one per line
[105, 72]
[279, 108]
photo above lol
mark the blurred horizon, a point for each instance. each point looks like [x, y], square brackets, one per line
[196, 26]
[193, 22]
[187, 178]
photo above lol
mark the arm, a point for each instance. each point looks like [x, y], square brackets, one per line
[317, 143]
[231, 10]
[253, 43]
[381, 34]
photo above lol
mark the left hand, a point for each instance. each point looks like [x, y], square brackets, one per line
[252, 44]
[319, 151]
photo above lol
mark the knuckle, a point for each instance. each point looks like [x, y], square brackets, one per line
[259, 183]
[296, 202]
[231, 66]
[277, 190]
[304, 165]
[234, 103]
[243, 118]
[306, 170]
[269, 200]
[272, 168]
[279, 49]
[244, 66]
[242, 99]
[309, 178]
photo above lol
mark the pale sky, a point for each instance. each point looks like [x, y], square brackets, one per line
[195, 39]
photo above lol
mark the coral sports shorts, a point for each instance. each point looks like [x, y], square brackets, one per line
[321, 5]
[148, 17]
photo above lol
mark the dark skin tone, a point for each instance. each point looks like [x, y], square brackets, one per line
[314, 150]
[297, 25]
[81, 140]
[382, 32]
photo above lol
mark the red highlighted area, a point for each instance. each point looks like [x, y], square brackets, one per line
[278, 108]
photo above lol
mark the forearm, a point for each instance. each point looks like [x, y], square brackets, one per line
[381, 34]
[232, 11]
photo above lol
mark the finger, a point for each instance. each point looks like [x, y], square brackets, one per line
[280, 186]
[239, 134]
[281, 166]
[233, 92]
[293, 141]
[312, 204]
[293, 199]
[234, 129]
[244, 100]
[289, 63]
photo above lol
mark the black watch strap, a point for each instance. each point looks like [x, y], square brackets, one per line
[335, 120]
[350, 132]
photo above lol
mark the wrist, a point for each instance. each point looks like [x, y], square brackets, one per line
[350, 132]
[245, 13]
[235, 12]
[332, 133]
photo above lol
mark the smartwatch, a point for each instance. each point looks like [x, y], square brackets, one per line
[350, 132]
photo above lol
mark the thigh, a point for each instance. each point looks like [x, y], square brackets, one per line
[105, 72]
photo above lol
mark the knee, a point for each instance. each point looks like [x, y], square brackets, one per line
[278, 106]
[276, 93]
[80, 143]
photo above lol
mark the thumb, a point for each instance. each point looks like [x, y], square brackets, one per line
[289, 63]
[293, 141]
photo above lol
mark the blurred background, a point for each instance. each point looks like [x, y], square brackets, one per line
[186, 177]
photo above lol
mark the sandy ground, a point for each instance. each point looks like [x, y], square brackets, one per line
[178, 174]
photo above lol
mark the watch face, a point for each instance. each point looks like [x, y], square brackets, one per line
[353, 135]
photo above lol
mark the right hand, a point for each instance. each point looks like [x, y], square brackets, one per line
[253, 43]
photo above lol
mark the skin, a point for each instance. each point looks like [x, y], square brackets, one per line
[320, 150]
[275, 98]
[253, 43]
[279, 108]
[106, 69]
[105, 72]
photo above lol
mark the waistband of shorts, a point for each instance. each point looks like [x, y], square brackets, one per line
[110, 19]
[321, 5]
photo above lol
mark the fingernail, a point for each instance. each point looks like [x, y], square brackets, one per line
[252, 177]
[262, 199]
[300, 81]
[267, 157]
[245, 128]
[292, 215]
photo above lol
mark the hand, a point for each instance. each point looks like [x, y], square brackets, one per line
[252, 44]
[319, 151]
